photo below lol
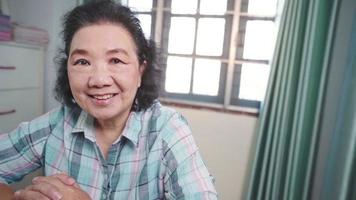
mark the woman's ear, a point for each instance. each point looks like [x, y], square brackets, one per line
[141, 70]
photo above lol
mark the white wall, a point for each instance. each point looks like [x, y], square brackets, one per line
[224, 141]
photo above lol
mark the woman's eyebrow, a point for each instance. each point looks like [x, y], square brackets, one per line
[79, 51]
[117, 50]
[111, 51]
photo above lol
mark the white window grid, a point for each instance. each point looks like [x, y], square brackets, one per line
[229, 58]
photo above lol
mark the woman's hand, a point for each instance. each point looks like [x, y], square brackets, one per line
[55, 187]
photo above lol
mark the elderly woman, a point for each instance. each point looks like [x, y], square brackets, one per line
[111, 138]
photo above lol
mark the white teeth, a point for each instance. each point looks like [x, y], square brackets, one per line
[103, 97]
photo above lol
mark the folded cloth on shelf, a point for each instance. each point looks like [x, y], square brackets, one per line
[30, 35]
[5, 28]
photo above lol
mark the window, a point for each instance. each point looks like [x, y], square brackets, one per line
[215, 52]
[144, 12]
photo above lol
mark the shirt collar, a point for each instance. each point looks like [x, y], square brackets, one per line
[133, 127]
[85, 124]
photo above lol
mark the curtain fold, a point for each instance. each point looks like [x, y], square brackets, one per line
[288, 130]
[340, 177]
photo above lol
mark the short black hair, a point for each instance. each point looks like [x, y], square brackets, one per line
[107, 11]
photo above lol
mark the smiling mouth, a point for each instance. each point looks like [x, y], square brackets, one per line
[102, 97]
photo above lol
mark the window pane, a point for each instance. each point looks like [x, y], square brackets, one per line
[139, 5]
[262, 7]
[178, 74]
[181, 35]
[184, 6]
[254, 79]
[145, 20]
[213, 7]
[259, 40]
[210, 36]
[206, 77]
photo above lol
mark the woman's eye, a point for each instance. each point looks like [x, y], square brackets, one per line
[115, 61]
[81, 62]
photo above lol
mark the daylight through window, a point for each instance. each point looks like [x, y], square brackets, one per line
[216, 52]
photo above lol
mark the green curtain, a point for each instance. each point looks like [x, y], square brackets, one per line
[340, 176]
[288, 129]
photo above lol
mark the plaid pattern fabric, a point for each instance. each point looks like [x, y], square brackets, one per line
[155, 157]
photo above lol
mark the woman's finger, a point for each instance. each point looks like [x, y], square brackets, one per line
[66, 179]
[45, 188]
[62, 177]
[29, 195]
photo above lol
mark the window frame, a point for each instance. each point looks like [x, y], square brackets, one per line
[230, 63]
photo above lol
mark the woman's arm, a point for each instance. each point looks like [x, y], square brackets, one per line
[6, 192]
[21, 149]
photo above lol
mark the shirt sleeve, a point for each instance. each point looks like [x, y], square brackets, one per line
[186, 175]
[21, 149]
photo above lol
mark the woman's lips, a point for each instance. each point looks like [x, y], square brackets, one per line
[103, 97]
[102, 100]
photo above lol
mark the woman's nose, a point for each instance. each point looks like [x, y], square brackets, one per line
[100, 77]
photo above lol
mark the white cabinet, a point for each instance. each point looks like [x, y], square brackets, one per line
[21, 84]
[21, 89]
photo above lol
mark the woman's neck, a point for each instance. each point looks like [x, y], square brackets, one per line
[107, 132]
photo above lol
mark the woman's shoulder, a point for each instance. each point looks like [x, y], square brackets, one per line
[38, 128]
[43, 121]
[167, 122]
[52, 118]
[161, 114]
[170, 131]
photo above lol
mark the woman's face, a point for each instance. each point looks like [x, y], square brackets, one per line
[103, 70]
